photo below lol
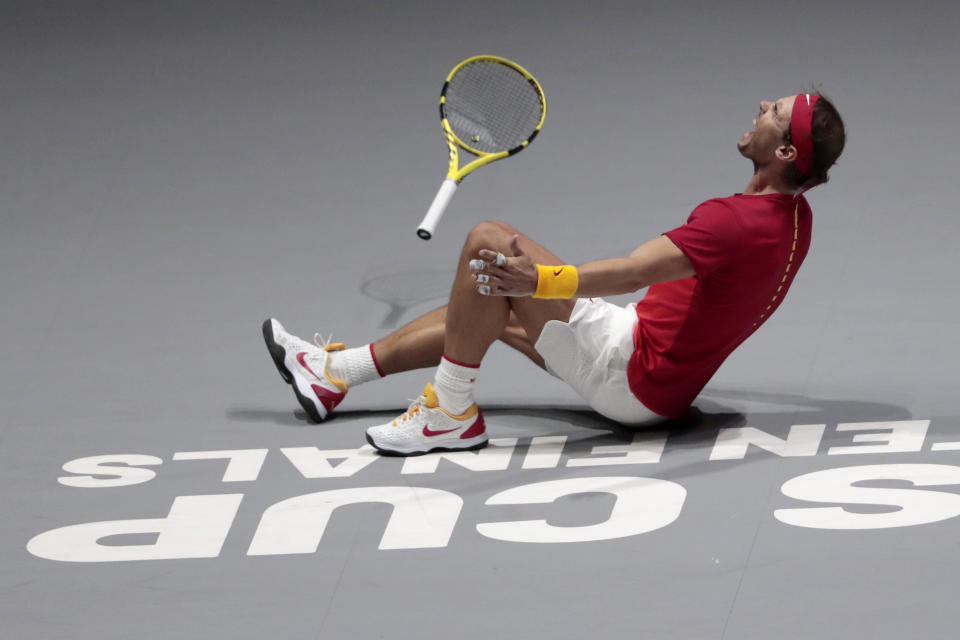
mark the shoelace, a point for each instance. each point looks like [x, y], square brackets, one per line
[319, 360]
[320, 342]
[412, 411]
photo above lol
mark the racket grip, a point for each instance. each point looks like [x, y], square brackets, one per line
[439, 205]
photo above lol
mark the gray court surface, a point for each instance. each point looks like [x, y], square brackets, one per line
[173, 173]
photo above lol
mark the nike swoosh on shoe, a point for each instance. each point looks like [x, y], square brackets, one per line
[427, 431]
[301, 358]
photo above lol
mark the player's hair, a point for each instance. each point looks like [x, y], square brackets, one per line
[828, 137]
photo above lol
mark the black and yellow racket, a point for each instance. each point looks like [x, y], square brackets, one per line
[490, 107]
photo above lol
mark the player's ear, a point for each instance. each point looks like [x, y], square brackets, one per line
[787, 153]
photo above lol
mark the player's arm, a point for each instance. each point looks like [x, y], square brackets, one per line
[658, 260]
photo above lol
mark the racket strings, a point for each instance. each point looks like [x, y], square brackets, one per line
[492, 107]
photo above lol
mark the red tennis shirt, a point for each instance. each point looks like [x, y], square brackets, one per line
[745, 251]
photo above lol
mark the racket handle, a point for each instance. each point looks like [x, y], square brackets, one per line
[440, 202]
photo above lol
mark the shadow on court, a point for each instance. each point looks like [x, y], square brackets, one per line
[404, 287]
[692, 438]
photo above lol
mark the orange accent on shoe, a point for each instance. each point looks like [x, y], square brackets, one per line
[430, 394]
[339, 384]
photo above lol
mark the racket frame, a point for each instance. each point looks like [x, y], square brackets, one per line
[456, 173]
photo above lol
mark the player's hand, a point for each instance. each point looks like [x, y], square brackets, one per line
[498, 275]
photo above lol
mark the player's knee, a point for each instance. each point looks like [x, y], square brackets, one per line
[490, 234]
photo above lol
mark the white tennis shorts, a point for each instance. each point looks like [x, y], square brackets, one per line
[591, 352]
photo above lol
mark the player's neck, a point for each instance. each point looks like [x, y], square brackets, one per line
[763, 183]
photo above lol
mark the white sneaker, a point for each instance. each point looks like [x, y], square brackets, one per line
[304, 366]
[426, 427]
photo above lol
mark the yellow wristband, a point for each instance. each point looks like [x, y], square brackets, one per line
[556, 282]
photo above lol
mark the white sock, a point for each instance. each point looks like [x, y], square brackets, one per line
[454, 385]
[355, 366]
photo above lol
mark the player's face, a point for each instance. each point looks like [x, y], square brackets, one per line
[770, 126]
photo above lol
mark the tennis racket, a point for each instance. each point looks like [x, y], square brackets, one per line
[489, 107]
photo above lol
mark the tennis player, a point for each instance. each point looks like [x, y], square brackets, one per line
[712, 282]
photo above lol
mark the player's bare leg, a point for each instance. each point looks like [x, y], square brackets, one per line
[420, 343]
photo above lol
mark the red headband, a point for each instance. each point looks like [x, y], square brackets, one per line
[801, 125]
